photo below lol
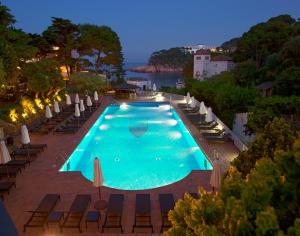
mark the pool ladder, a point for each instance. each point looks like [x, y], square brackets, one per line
[62, 155]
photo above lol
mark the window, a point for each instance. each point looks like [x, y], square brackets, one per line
[198, 58]
[206, 57]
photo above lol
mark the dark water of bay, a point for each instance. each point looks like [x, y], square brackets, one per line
[160, 79]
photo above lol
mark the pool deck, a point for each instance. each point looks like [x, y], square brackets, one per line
[42, 177]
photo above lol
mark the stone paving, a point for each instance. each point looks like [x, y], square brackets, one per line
[42, 177]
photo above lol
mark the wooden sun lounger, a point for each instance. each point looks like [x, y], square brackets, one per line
[167, 203]
[18, 163]
[142, 212]
[7, 171]
[220, 138]
[34, 146]
[6, 186]
[76, 212]
[39, 216]
[24, 152]
[114, 211]
[213, 132]
[207, 126]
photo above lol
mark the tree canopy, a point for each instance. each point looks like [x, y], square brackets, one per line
[266, 202]
[173, 57]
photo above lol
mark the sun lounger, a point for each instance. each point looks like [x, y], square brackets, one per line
[114, 211]
[6, 186]
[214, 132]
[24, 152]
[207, 126]
[142, 212]
[7, 171]
[76, 211]
[221, 138]
[34, 146]
[18, 163]
[167, 203]
[38, 217]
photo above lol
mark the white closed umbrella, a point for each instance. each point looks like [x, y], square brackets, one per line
[98, 177]
[202, 109]
[82, 108]
[48, 113]
[89, 102]
[56, 107]
[68, 100]
[4, 154]
[77, 113]
[154, 87]
[209, 115]
[193, 103]
[96, 96]
[77, 98]
[188, 97]
[215, 179]
[25, 139]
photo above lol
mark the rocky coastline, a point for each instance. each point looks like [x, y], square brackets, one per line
[155, 69]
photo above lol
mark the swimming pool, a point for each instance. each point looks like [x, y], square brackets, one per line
[140, 145]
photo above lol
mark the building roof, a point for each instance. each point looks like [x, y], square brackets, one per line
[265, 85]
[221, 58]
[126, 86]
[137, 79]
[203, 52]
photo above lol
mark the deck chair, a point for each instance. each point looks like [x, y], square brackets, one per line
[34, 146]
[6, 186]
[76, 211]
[221, 138]
[214, 132]
[142, 212]
[38, 217]
[113, 217]
[24, 152]
[17, 163]
[8, 171]
[167, 203]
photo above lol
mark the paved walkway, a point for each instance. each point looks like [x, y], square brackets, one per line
[42, 177]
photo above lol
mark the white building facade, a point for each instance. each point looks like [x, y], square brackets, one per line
[206, 66]
[144, 84]
[194, 48]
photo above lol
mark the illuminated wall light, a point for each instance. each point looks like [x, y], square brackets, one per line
[13, 115]
[38, 103]
[25, 115]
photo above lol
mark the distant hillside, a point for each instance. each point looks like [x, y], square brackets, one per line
[230, 45]
[172, 58]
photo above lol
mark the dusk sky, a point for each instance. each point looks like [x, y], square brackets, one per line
[147, 26]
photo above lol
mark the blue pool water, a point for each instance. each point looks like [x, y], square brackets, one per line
[140, 146]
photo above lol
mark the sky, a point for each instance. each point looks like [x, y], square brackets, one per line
[145, 26]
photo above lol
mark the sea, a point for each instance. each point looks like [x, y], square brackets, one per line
[160, 79]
